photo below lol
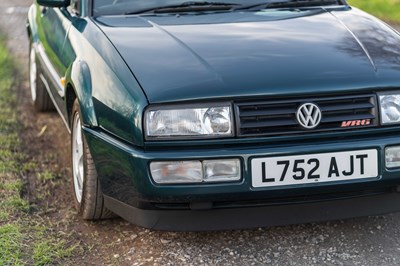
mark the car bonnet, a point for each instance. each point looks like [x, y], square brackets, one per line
[268, 53]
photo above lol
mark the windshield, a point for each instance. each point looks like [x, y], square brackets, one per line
[120, 7]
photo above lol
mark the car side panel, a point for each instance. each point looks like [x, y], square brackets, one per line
[50, 75]
[53, 25]
[108, 93]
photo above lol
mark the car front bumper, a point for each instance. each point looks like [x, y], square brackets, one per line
[253, 217]
[129, 191]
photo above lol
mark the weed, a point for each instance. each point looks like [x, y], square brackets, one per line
[4, 216]
[14, 186]
[29, 167]
[47, 175]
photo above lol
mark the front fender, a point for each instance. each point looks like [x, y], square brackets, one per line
[108, 93]
[80, 80]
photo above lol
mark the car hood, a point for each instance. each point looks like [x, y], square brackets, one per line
[268, 53]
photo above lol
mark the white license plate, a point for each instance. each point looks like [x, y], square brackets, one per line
[314, 168]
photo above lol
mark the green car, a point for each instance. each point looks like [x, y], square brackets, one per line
[194, 115]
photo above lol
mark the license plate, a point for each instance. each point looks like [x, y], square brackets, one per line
[314, 168]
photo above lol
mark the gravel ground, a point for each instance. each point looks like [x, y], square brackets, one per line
[362, 241]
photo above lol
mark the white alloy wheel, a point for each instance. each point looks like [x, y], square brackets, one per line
[40, 97]
[77, 157]
[33, 74]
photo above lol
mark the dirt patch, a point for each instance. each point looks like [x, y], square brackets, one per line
[45, 143]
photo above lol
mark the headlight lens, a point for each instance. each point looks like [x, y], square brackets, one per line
[189, 122]
[177, 172]
[392, 157]
[390, 108]
[221, 170]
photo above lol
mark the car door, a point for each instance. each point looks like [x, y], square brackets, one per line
[54, 24]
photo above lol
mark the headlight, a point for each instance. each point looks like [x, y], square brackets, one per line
[183, 122]
[390, 108]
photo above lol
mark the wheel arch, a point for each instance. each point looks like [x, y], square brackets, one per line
[79, 86]
[70, 96]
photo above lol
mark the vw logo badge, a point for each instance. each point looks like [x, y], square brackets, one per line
[309, 115]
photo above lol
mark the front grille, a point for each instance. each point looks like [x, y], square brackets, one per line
[266, 118]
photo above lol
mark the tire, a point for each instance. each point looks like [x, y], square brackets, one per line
[85, 184]
[39, 95]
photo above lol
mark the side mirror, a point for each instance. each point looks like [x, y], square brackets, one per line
[54, 3]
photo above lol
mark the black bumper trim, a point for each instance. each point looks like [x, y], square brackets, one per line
[253, 217]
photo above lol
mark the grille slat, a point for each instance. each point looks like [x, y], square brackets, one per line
[268, 118]
[269, 124]
[269, 112]
[353, 106]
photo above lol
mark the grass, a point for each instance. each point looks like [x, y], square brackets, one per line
[10, 245]
[47, 175]
[11, 202]
[46, 250]
[388, 10]
[25, 238]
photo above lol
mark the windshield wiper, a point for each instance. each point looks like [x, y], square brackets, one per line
[187, 7]
[290, 3]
